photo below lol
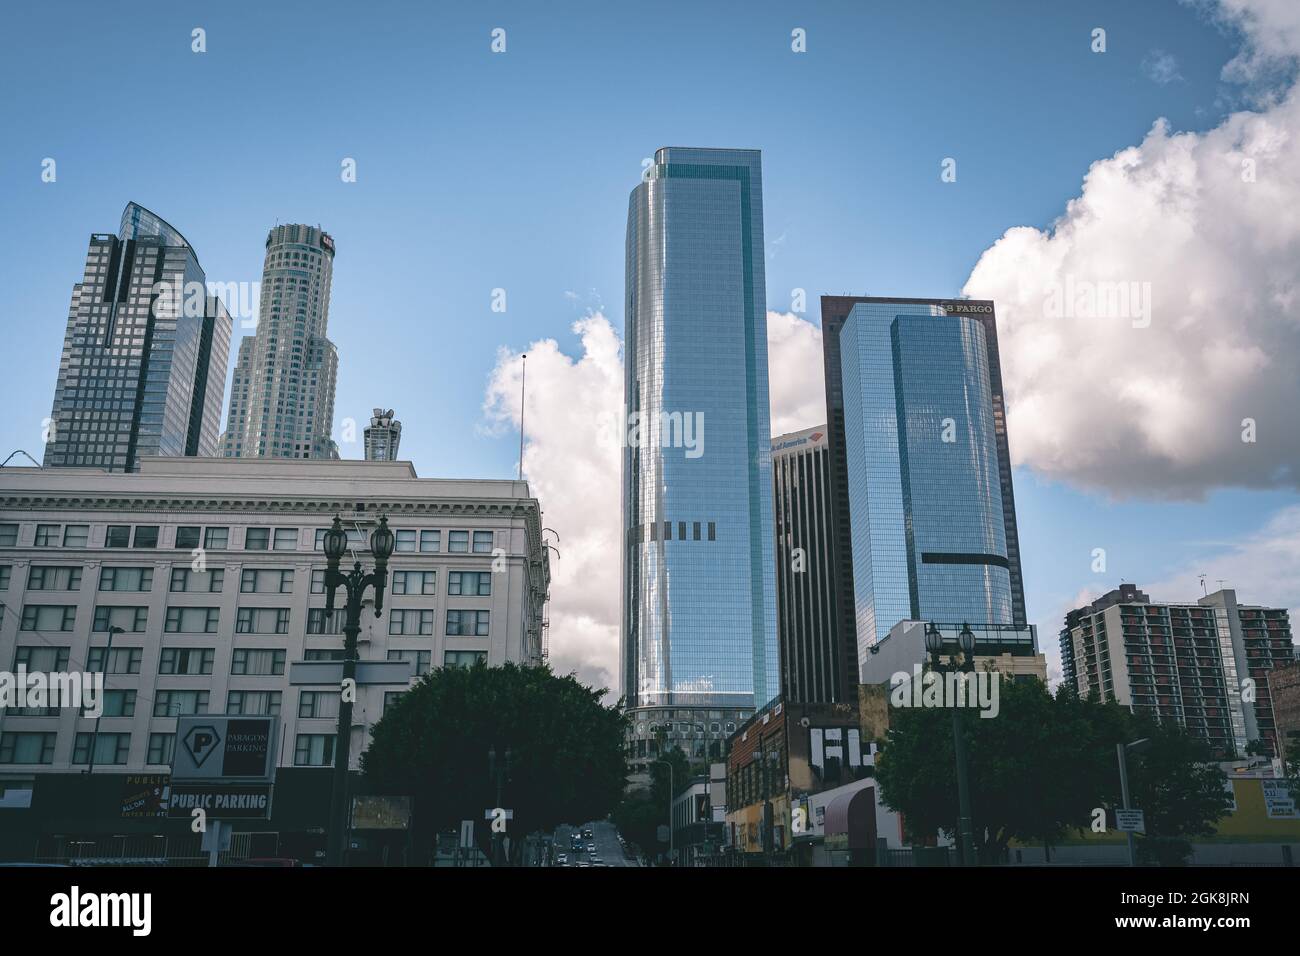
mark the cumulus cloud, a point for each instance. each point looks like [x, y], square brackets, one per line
[575, 476]
[573, 468]
[1156, 324]
[796, 376]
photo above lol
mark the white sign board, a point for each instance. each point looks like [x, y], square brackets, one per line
[1130, 821]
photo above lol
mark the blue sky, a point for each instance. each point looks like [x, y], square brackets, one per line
[479, 171]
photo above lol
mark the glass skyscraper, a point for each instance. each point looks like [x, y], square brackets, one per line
[928, 477]
[282, 391]
[699, 612]
[144, 356]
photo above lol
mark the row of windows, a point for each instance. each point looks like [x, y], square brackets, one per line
[251, 581]
[112, 749]
[248, 620]
[192, 537]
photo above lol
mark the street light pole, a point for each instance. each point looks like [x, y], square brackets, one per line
[499, 775]
[1121, 751]
[355, 582]
[934, 644]
[670, 809]
[94, 745]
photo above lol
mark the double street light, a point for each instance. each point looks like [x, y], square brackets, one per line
[934, 644]
[355, 581]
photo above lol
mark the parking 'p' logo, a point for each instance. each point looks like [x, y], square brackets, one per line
[201, 741]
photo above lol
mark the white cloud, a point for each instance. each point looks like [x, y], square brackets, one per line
[1161, 67]
[575, 476]
[1149, 396]
[574, 470]
[1263, 567]
[796, 375]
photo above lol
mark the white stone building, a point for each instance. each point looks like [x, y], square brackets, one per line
[83, 550]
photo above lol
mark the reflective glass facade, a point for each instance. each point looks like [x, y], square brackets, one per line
[699, 620]
[928, 525]
[134, 375]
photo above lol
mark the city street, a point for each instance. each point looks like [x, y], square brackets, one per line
[605, 837]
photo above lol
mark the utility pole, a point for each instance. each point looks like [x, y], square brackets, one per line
[108, 652]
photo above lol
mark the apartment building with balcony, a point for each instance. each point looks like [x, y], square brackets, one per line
[1206, 665]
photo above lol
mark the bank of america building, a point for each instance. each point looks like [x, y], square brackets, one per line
[698, 632]
[929, 480]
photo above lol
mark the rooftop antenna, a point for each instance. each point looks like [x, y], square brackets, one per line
[1204, 590]
[523, 397]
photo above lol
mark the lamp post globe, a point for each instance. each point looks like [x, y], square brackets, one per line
[336, 541]
[933, 639]
[382, 540]
[967, 639]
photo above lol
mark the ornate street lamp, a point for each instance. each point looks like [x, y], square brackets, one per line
[355, 582]
[934, 644]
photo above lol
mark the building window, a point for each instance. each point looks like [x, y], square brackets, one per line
[483, 542]
[8, 535]
[48, 578]
[430, 540]
[125, 579]
[27, 748]
[253, 703]
[463, 658]
[318, 703]
[132, 619]
[117, 703]
[48, 617]
[146, 536]
[318, 622]
[6, 571]
[257, 539]
[261, 581]
[216, 539]
[415, 582]
[109, 748]
[314, 750]
[257, 662]
[186, 579]
[414, 622]
[422, 660]
[323, 654]
[121, 660]
[476, 583]
[161, 748]
[192, 620]
[76, 535]
[48, 535]
[117, 536]
[467, 623]
[262, 620]
[180, 703]
[286, 539]
[186, 660]
[318, 582]
[188, 537]
[458, 541]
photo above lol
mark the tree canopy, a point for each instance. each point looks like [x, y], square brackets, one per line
[566, 748]
[1041, 767]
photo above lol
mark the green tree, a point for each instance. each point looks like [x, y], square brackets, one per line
[1042, 767]
[643, 810]
[1179, 788]
[566, 749]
